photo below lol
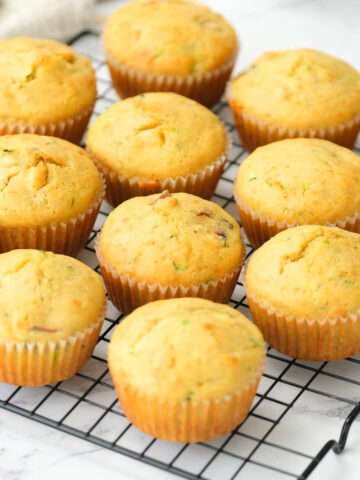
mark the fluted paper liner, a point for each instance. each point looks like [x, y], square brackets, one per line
[306, 338]
[39, 363]
[68, 237]
[71, 129]
[201, 183]
[260, 228]
[127, 293]
[187, 421]
[253, 132]
[206, 88]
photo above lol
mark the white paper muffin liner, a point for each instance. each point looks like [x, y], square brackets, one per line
[201, 183]
[67, 237]
[206, 88]
[187, 421]
[260, 228]
[127, 293]
[314, 339]
[41, 363]
[71, 129]
[254, 133]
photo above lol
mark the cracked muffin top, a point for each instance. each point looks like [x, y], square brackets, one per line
[157, 136]
[301, 181]
[44, 180]
[59, 296]
[157, 350]
[308, 271]
[175, 37]
[181, 239]
[300, 88]
[43, 81]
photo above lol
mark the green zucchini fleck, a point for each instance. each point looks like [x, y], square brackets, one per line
[180, 268]
[189, 394]
[254, 343]
[159, 54]
[56, 353]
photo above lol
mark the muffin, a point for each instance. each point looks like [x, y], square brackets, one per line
[296, 93]
[303, 288]
[48, 332]
[176, 388]
[158, 141]
[45, 88]
[296, 182]
[170, 46]
[50, 194]
[169, 245]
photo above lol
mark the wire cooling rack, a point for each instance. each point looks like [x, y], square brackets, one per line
[297, 407]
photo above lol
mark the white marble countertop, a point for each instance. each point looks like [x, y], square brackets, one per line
[31, 451]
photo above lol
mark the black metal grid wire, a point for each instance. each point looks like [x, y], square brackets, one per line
[86, 405]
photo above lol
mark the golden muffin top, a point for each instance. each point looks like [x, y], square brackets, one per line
[157, 136]
[175, 37]
[298, 89]
[44, 180]
[43, 81]
[308, 271]
[301, 181]
[176, 239]
[46, 297]
[186, 349]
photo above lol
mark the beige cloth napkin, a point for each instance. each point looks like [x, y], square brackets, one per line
[57, 19]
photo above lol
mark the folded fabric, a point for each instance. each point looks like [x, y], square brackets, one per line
[55, 19]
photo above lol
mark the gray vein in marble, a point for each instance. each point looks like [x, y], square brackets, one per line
[334, 412]
[77, 454]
